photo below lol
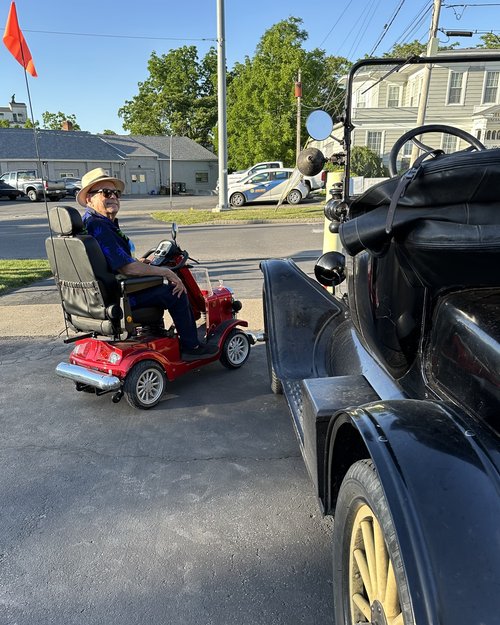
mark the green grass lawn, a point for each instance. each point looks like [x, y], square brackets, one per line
[256, 215]
[17, 273]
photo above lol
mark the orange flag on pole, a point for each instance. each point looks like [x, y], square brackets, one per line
[15, 42]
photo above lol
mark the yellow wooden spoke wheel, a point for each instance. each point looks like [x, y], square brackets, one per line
[369, 581]
[372, 584]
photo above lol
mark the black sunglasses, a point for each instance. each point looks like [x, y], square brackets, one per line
[107, 192]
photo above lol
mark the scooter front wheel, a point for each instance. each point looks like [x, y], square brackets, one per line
[145, 384]
[235, 350]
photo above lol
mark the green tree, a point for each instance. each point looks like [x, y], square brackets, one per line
[4, 123]
[54, 121]
[489, 40]
[29, 124]
[179, 97]
[261, 111]
[414, 48]
[405, 50]
[106, 131]
[365, 162]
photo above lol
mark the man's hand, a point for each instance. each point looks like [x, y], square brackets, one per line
[173, 278]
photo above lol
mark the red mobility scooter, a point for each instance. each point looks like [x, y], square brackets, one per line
[116, 352]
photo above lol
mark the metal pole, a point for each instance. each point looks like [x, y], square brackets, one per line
[298, 95]
[221, 100]
[432, 47]
[170, 172]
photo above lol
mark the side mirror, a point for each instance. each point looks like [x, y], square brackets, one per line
[319, 125]
[330, 269]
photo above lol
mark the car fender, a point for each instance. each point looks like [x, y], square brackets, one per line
[440, 471]
[296, 305]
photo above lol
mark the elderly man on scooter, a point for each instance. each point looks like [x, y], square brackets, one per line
[100, 196]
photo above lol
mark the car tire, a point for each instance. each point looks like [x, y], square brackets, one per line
[294, 197]
[32, 195]
[363, 527]
[237, 199]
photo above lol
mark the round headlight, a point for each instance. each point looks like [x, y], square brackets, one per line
[114, 358]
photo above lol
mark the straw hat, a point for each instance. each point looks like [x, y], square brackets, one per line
[91, 178]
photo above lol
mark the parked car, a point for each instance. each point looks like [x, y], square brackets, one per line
[73, 185]
[7, 191]
[27, 182]
[267, 184]
[244, 173]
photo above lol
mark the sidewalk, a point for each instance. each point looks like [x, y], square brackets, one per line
[35, 311]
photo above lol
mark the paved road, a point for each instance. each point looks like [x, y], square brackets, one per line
[230, 252]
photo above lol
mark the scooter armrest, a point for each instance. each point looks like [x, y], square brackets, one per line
[131, 285]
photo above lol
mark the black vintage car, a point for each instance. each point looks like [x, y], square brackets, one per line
[393, 380]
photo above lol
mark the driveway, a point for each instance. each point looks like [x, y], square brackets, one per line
[197, 512]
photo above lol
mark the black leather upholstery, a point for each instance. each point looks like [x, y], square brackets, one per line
[93, 299]
[446, 225]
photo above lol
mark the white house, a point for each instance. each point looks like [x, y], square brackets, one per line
[465, 95]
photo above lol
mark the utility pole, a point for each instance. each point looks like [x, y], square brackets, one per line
[432, 48]
[221, 101]
[298, 95]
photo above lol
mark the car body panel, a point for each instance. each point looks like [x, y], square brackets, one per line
[440, 471]
[267, 185]
[7, 191]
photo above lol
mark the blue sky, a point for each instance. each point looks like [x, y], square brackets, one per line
[92, 76]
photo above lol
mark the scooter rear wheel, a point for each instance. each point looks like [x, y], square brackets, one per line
[235, 350]
[145, 384]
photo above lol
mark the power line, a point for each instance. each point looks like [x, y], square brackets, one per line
[335, 24]
[415, 22]
[52, 32]
[386, 27]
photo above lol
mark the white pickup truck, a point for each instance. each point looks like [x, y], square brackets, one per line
[312, 182]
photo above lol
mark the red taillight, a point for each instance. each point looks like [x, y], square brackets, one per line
[323, 176]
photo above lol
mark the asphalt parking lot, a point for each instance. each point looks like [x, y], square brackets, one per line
[198, 511]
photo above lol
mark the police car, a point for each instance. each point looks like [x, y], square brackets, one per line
[269, 185]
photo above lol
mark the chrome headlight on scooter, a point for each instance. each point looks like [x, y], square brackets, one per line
[114, 358]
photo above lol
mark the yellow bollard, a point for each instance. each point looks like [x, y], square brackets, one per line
[331, 241]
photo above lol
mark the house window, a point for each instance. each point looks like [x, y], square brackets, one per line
[449, 143]
[360, 99]
[455, 88]
[393, 92]
[67, 174]
[406, 155]
[201, 176]
[478, 133]
[374, 141]
[491, 88]
[415, 89]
